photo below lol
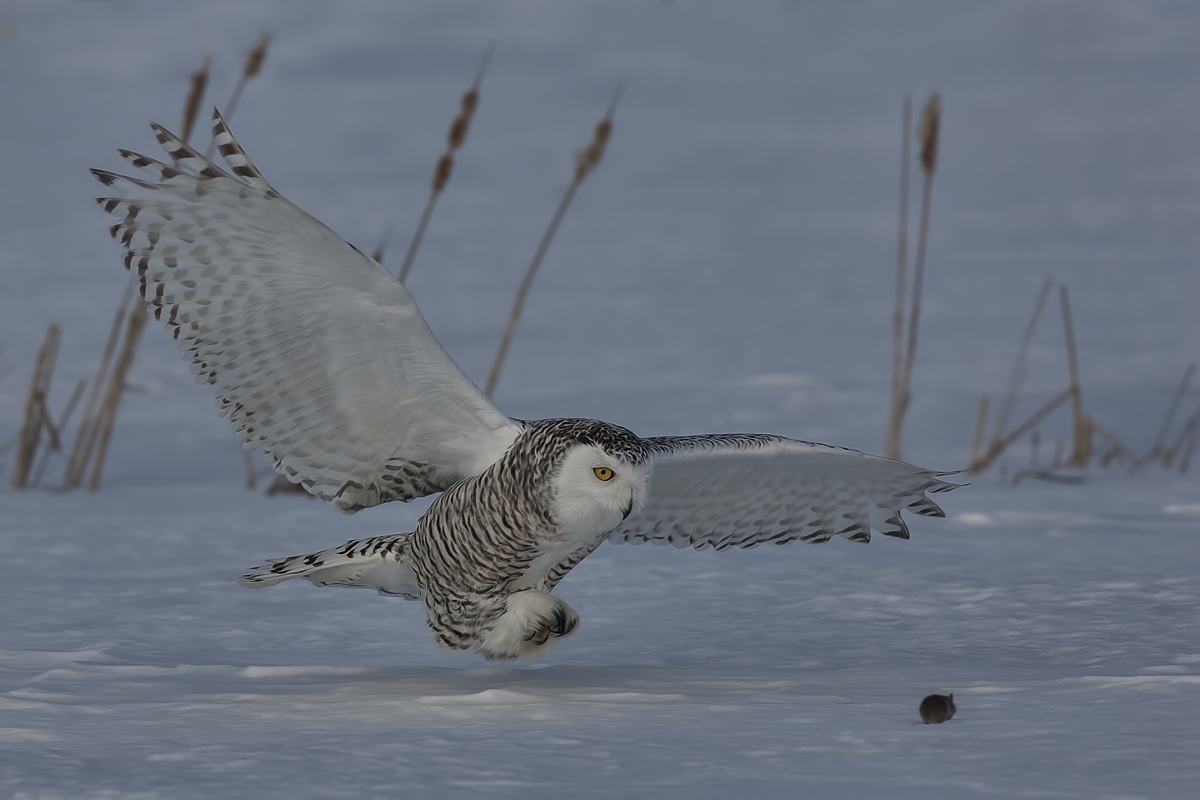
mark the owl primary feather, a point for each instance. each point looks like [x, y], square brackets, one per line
[321, 358]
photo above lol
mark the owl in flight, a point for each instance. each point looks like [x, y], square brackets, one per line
[321, 358]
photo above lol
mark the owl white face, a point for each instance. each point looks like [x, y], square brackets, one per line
[594, 491]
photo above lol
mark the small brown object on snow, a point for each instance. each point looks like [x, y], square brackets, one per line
[937, 708]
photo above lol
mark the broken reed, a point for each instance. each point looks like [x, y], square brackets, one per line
[1185, 444]
[81, 451]
[36, 415]
[586, 161]
[1084, 428]
[102, 432]
[1016, 380]
[1160, 442]
[928, 134]
[455, 139]
[56, 432]
[250, 70]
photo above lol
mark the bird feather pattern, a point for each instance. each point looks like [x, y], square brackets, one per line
[322, 358]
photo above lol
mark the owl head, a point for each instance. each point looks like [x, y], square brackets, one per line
[597, 473]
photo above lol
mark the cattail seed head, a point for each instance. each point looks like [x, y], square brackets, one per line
[255, 60]
[458, 128]
[441, 174]
[469, 101]
[927, 131]
[589, 158]
[195, 96]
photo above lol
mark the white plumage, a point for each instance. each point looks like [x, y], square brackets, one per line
[321, 358]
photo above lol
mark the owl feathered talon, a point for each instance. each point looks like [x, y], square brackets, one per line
[530, 627]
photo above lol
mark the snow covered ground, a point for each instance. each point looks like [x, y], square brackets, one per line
[728, 267]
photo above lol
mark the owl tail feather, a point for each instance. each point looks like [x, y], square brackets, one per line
[379, 563]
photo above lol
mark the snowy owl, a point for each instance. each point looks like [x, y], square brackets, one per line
[321, 358]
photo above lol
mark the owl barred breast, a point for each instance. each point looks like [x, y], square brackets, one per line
[520, 526]
[322, 359]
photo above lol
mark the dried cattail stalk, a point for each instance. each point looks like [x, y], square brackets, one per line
[928, 133]
[1160, 442]
[54, 430]
[48, 423]
[250, 70]
[455, 139]
[116, 387]
[462, 123]
[1081, 451]
[35, 408]
[994, 451]
[81, 451]
[1189, 448]
[255, 60]
[590, 158]
[891, 447]
[191, 107]
[1017, 379]
[1119, 450]
[441, 173]
[583, 165]
[1181, 441]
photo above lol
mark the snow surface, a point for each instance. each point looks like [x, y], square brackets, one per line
[727, 267]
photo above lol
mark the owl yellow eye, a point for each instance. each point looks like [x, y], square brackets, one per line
[603, 473]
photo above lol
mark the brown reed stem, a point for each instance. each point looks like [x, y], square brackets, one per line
[191, 106]
[1157, 449]
[996, 450]
[519, 304]
[253, 65]
[1081, 451]
[584, 164]
[891, 447]
[1017, 379]
[415, 244]
[81, 451]
[116, 387]
[48, 424]
[1193, 429]
[455, 139]
[34, 418]
[1181, 440]
[1118, 446]
[928, 134]
[56, 441]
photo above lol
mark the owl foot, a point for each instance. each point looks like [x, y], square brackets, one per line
[530, 627]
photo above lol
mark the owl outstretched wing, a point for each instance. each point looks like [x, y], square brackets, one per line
[315, 352]
[740, 490]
